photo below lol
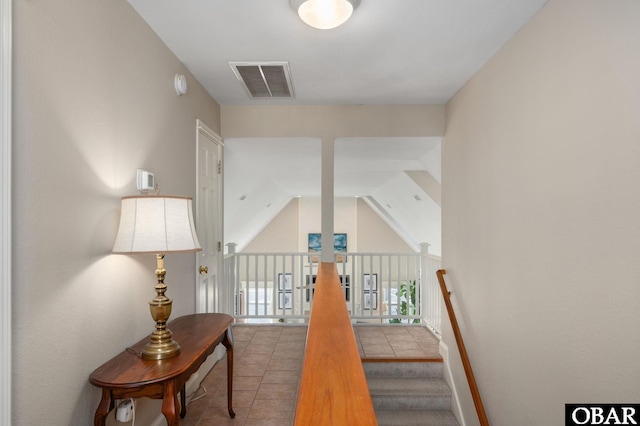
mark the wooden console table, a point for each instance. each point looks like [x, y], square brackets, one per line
[129, 376]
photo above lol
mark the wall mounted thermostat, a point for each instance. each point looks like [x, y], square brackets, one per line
[145, 181]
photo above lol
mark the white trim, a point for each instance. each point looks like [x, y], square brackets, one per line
[448, 377]
[5, 213]
[212, 135]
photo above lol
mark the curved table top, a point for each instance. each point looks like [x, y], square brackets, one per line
[197, 335]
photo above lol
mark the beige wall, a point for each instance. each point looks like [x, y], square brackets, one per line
[280, 235]
[541, 165]
[366, 231]
[331, 121]
[375, 236]
[93, 101]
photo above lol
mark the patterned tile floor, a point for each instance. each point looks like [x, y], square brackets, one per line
[396, 342]
[267, 364]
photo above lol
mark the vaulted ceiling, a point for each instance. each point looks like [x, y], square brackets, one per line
[390, 52]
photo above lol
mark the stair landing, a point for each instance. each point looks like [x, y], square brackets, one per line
[391, 342]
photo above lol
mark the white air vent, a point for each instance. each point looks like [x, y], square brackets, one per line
[264, 79]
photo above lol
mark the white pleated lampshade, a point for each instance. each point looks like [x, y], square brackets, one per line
[156, 224]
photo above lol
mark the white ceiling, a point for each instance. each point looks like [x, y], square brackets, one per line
[389, 52]
[263, 174]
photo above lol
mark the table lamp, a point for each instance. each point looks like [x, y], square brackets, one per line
[157, 225]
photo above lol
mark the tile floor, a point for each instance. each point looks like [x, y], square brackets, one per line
[267, 364]
[396, 341]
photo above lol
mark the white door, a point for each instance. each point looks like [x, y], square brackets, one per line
[209, 295]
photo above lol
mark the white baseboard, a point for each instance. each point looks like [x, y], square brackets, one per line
[448, 377]
[149, 411]
[193, 384]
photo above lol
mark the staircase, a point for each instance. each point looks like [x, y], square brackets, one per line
[408, 393]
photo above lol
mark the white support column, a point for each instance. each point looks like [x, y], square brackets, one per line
[327, 254]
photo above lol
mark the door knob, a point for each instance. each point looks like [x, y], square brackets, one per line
[204, 269]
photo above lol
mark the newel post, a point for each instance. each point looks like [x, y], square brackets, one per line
[424, 291]
[230, 278]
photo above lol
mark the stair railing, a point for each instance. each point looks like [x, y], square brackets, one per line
[381, 287]
[468, 371]
[333, 387]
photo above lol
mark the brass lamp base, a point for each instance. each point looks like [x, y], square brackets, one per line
[156, 350]
[161, 345]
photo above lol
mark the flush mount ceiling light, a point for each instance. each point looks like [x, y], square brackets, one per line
[324, 14]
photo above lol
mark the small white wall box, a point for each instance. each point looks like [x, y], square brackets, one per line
[145, 180]
[124, 412]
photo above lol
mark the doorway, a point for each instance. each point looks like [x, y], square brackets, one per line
[210, 297]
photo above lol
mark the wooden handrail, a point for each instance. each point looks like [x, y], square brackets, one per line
[468, 371]
[333, 388]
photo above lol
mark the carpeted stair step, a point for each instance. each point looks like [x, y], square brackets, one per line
[416, 418]
[421, 393]
[402, 369]
[409, 393]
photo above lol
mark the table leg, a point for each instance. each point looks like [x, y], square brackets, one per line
[170, 403]
[183, 401]
[228, 343]
[106, 404]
